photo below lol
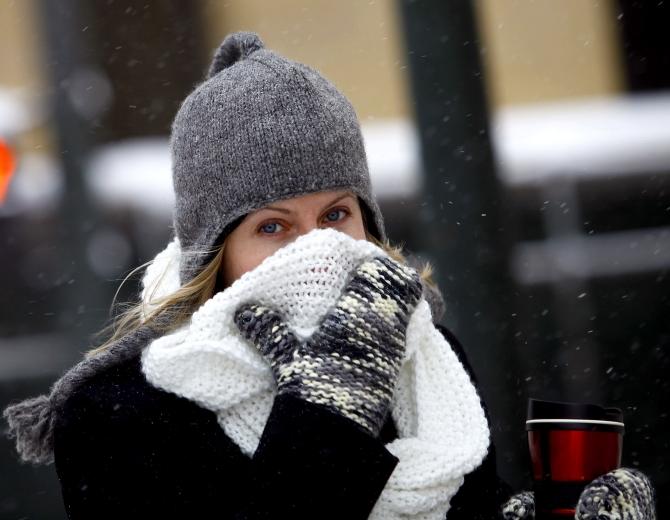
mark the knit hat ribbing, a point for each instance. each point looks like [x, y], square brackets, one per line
[260, 128]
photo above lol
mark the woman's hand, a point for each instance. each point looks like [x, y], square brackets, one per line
[351, 362]
[624, 493]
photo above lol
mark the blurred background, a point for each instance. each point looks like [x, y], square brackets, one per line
[523, 147]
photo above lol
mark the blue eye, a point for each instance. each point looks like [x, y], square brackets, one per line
[269, 228]
[334, 214]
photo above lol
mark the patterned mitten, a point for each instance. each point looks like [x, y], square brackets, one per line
[519, 507]
[351, 362]
[621, 494]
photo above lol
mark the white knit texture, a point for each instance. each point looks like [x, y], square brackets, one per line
[442, 429]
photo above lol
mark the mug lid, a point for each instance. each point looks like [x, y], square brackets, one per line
[540, 411]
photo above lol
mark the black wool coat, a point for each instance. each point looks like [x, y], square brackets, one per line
[125, 449]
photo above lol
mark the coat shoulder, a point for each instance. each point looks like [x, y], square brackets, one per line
[120, 396]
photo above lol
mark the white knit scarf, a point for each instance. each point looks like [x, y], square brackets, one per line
[442, 429]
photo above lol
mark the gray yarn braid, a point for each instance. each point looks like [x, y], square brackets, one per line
[351, 362]
[31, 422]
[621, 494]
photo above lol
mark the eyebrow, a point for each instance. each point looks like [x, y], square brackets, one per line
[284, 210]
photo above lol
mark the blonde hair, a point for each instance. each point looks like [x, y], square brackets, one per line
[182, 303]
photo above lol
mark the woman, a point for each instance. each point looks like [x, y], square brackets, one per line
[280, 251]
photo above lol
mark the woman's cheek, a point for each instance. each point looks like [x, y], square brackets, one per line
[259, 251]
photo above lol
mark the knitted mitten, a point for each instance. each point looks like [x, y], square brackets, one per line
[519, 507]
[621, 494]
[624, 494]
[351, 362]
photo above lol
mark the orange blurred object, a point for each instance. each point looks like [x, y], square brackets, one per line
[6, 169]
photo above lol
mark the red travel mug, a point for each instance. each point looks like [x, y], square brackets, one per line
[570, 445]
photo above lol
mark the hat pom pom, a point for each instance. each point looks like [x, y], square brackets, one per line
[235, 47]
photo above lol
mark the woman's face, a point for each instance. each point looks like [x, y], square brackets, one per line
[265, 230]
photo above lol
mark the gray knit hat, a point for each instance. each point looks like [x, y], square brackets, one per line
[260, 128]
